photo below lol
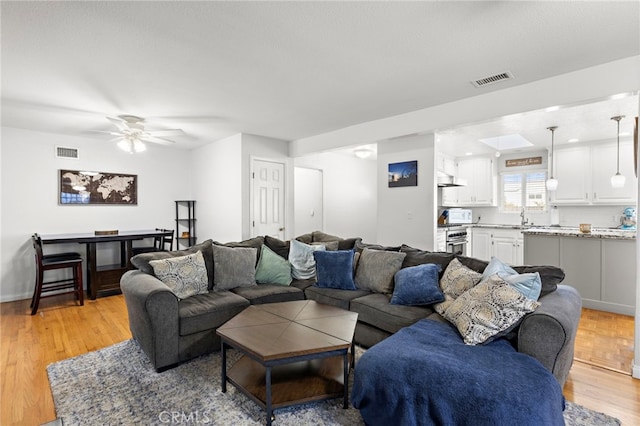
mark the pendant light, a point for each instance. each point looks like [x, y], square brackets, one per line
[552, 183]
[617, 180]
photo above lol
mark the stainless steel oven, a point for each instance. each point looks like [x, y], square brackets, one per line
[457, 240]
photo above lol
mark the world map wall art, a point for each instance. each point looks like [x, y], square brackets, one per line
[86, 187]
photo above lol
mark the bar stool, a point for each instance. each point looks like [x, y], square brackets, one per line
[49, 262]
[160, 243]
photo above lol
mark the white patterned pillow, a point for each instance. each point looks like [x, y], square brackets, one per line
[184, 275]
[303, 265]
[489, 310]
[456, 279]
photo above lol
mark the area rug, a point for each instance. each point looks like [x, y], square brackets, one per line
[118, 386]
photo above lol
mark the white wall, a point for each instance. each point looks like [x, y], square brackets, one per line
[308, 200]
[349, 193]
[407, 214]
[216, 174]
[30, 189]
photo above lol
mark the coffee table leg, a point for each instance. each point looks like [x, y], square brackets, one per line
[224, 367]
[268, 383]
[346, 380]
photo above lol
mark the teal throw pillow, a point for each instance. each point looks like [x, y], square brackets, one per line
[272, 268]
[529, 284]
[417, 285]
[334, 269]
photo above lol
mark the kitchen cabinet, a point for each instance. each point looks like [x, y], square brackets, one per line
[480, 174]
[601, 269]
[447, 165]
[505, 244]
[584, 175]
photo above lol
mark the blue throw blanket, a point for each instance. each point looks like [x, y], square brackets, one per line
[425, 375]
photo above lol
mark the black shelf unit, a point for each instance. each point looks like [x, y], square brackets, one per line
[185, 223]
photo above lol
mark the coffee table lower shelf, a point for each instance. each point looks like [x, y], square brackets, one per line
[292, 383]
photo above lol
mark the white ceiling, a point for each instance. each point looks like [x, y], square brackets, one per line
[290, 70]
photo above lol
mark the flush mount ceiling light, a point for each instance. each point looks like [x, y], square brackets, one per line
[617, 180]
[362, 152]
[552, 183]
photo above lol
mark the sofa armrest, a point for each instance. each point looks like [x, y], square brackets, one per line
[153, 317]
[548, 334]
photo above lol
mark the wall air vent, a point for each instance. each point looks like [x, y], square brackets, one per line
[492, 79]
[66, 152]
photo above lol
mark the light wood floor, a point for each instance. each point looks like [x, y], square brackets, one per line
[61, 330]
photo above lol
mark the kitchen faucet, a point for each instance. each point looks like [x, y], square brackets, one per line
[523, 221]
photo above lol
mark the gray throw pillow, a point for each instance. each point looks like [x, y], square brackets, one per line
[184, 275]
[234, 267]
[376, 269]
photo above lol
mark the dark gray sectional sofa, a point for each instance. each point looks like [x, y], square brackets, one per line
[171, 331]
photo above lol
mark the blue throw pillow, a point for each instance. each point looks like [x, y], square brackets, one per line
[334, 269]
[417, 285]
[529, 285]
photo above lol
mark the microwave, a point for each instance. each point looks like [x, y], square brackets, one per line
[456, 216]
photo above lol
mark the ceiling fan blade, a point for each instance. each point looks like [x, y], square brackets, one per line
[154, 139]
[167, 132]
[119, 123]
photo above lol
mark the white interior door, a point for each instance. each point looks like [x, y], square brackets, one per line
[308, 203]
[268, 199]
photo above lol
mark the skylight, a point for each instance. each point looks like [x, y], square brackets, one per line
[506, 142]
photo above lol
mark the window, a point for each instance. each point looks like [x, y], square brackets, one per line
[526, 190]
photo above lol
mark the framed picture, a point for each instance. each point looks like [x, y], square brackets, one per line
[86, 187]
[403, 174]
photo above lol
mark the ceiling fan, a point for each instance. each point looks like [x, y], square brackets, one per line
[132, 134]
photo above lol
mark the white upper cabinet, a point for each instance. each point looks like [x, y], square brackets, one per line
[603, 160]
[584, 174]
[480, 174]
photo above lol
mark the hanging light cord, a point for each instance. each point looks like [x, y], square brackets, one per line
[618, 156]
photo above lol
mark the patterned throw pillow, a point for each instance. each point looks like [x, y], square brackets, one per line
[303, 265]
[489, 310]
[456, 279]
[272, 269]
[376, 269]
[184, 275]
[234, 267]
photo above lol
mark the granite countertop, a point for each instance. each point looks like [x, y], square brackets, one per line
[565, 231]
[500, 226]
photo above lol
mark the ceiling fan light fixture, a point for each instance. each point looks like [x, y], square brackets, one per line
[139, 146]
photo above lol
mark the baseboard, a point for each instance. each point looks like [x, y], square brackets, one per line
[635, 371]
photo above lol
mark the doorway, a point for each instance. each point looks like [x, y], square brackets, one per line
[308, 200]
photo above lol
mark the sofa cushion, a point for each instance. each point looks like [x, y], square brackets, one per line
[233, 267]
[272, 269]
[416, 257]
[528, 284]
[343, 243]
[278, 246]
[360, 246]
[207, 311]
[303, 266]
[334, 269]
[305, 238]
[376, 269]
[303, 284]
[141, 261]
[255, 242]
[333, 296]
[488, 310]
[269, 293]
[454, 282]
[417, 285]
[184, 275]
[375, 310]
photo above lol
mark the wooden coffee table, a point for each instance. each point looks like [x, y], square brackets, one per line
[294, 352]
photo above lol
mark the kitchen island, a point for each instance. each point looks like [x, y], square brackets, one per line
[601, 264]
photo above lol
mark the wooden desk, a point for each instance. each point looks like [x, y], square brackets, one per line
[104, 277]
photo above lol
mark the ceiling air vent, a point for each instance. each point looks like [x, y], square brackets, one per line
[65, 152]
[492, 79]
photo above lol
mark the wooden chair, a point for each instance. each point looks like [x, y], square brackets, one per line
[50, 262]
[160, 243]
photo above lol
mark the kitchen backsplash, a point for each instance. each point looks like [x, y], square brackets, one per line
[597, 216]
